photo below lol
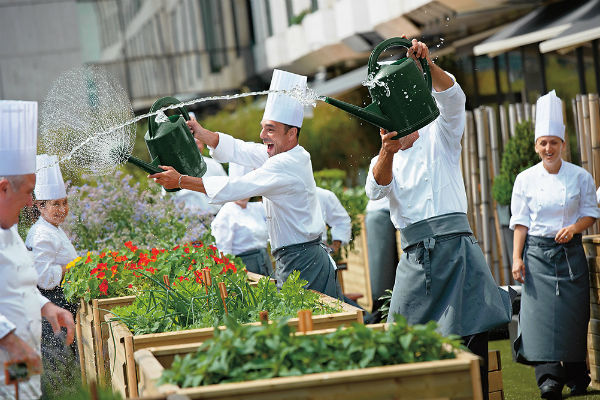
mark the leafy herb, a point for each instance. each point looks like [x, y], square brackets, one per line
[243, 352]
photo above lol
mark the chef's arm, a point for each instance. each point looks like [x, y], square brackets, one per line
[202, 134]
[518, 268]
[171, 179]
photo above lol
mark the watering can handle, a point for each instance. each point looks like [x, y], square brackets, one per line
[164, 102]
[396, 41]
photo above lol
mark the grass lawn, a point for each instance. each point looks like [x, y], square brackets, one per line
[519, 380]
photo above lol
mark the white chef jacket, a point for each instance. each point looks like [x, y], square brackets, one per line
[335, 216]
[197, 201]
[598, 195]
[376, 205]
[285, 181]
[20, 305]
[51, 250]
[427, 179]
[237, 230]
[545, 202]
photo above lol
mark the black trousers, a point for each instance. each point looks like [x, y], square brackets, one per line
[478, 344]
[566, 373]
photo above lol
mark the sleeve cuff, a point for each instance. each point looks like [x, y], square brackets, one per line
[213, 185]
[374, 190]
[518, 220]
[43, 300]
[593, 212]
[6, 326]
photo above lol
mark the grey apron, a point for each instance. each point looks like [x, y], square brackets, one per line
[257, 261]
[314, 264]
[442, 276]
[382, 252]
[555, 302]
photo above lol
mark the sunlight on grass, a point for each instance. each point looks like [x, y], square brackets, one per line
[519, 380]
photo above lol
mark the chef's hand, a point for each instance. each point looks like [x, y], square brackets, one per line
[59, 317]
[518, 270]
[564, 235]
[419, 50]
[19, 351]
[202, 134]
[389, 145]
[168, 179]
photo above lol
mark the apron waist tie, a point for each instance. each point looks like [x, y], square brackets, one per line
[428, 245]
[552, 255]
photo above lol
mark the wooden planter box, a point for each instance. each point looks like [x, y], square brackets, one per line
[92, 336]
[445, 379]
[591, 244]
[93, 333]
[122, 343]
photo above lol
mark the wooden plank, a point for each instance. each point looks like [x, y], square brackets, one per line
[495, 381]
[498, 395]
[494, 363]
[594, 326]
[357, 277]
[594, 310]
[79, 339]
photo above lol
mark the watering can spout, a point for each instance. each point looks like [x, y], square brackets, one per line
[372, 113]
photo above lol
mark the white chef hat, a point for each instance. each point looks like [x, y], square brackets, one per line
[549, 116]
[281, 107]
[237, 170]
[18, 137]
[49, 184]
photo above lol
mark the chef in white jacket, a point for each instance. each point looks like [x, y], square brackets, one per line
[52, 251]
[336, 217]
[240, 228]
[21, 304]
[283, 176]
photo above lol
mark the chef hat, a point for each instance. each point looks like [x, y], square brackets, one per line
[549, 116]
[18, 137]
[49, 184]
[237, 170]
[281, 107]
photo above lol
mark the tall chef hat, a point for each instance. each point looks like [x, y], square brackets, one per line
[18, 137]
[49, 184]
[549, 116]
[281, 107]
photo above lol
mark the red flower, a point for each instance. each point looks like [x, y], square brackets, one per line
[102, 255]
[136, 274]
[186, 249]
[101, 275]
[88, 259]
[130, 286]
[183, 278]
[176, 247]
[213, 248]
[103, 287]
[94, 271]
[155, 252]
[151, 269]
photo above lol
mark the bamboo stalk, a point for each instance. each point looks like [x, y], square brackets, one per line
[98, 341]
[79, 336]
[588, 132]
[582, 141]
[474, 176]
[576, 124]
[533, 114]
[594, 114]
[527, 112]
[305, 323]
[512, 119]
[466, 166]
[567, 154]
[483, 178]
[495, 171]
[223, 293]
[520, 114]
[503, 125]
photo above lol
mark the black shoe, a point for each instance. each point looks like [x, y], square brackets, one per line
[551, 390]
[580, 388]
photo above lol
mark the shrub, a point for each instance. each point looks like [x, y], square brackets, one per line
[108, 211]
[519, 154]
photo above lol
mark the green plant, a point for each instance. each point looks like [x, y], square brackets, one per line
[186, 304]
[519, 154]
[241, 353]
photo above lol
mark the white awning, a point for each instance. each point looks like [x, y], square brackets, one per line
[579, 33]
[544, 23]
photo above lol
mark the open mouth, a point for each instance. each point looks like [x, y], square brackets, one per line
[270, 146]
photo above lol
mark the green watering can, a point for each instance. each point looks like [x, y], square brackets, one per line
[171, 143]
[406, 105]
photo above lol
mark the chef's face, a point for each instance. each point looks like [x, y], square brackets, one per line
[278, 137]
[549, 148]
[14, 197]
[54, 211]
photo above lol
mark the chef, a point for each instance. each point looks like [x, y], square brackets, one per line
[240, 228]
[283, 176]
[552, 203]
[21, 304]
[52, 251]
[442, 274]
[336, 217]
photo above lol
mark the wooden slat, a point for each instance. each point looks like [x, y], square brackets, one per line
[498, 395]
[494, 363]
[357, 278]
[594, 310]
[495, 381]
